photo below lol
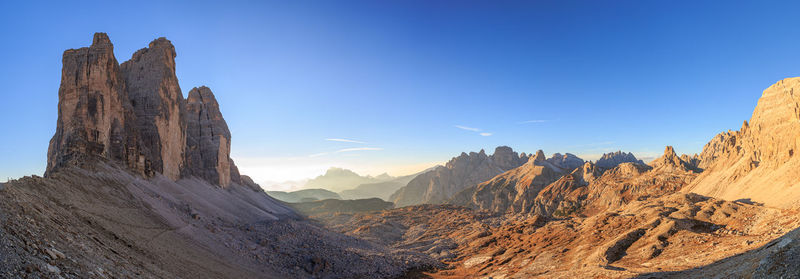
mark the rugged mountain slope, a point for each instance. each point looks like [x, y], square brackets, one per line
[514, 190]
[610, 160]
[757, 162]
[140, 184]
[304, 195]
[628, 221]
[338, 179]
[381, 190]
[640, 237]
[464, 171]
[105, 222]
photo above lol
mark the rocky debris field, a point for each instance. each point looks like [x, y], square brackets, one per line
[104, 223]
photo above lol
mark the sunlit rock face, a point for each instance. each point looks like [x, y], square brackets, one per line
[94, 115]
[758, 162]
[610, 160]
[441, 184]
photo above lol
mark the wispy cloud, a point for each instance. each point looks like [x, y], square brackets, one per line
[346, 140]
[472, 129]
[318, 154]
[358, 149]
[468, 128]
[532, 121]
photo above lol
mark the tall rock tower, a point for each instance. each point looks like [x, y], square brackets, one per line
[135, 114]
[157, 102]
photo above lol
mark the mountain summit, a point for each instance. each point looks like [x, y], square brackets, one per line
[757, 162]
[135, 114]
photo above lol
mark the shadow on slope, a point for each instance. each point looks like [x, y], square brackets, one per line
[107, 223]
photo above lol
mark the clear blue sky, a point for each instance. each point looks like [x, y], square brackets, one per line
[399, 76]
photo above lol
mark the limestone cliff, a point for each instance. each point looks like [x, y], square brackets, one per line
[514, 190]
[757, 162]
[208, 140]
[442, 183]
[94, 114]
[610, 160]
[135, 114]
[157, 101]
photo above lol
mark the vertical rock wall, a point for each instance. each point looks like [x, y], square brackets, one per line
[157, 101]
[135, 114]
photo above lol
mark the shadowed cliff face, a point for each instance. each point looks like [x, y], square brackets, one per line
[208, 140]
[157, 102]
[135, 114]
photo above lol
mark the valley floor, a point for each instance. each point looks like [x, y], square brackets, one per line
[678, 235]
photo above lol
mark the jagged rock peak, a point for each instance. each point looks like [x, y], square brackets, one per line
[93, 119]
[757, 162]
[671, 161]
[465, 171]
[539, 156]
[208, 140]
[610, 160]
[567, 161]
[135, 114]
[157, 102]
[693, 160]
[101, 39]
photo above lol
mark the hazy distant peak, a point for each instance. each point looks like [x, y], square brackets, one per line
[610, 160]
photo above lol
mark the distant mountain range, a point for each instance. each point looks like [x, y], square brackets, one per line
[305, 195]
[339, 179]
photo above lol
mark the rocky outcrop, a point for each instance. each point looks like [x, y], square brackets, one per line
[467, 170]
[567, 161]
[514, 190]
[757, 162]
[671, 162]
[208, 140]
[610, 160]
[564, 196]
[540, 187]
[135, 114]
[693, 160]
[157, 102]
[93, 110]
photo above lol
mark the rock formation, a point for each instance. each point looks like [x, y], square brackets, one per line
[671, 162]
[514, 190]
[135, 114]
[566, 162]
[693, 160]
[208, 140]
[757, 162]
[94, 115]
[158, 104]
[442, 183]
[610, 160]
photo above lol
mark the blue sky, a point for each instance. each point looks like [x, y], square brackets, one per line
[398, 78]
